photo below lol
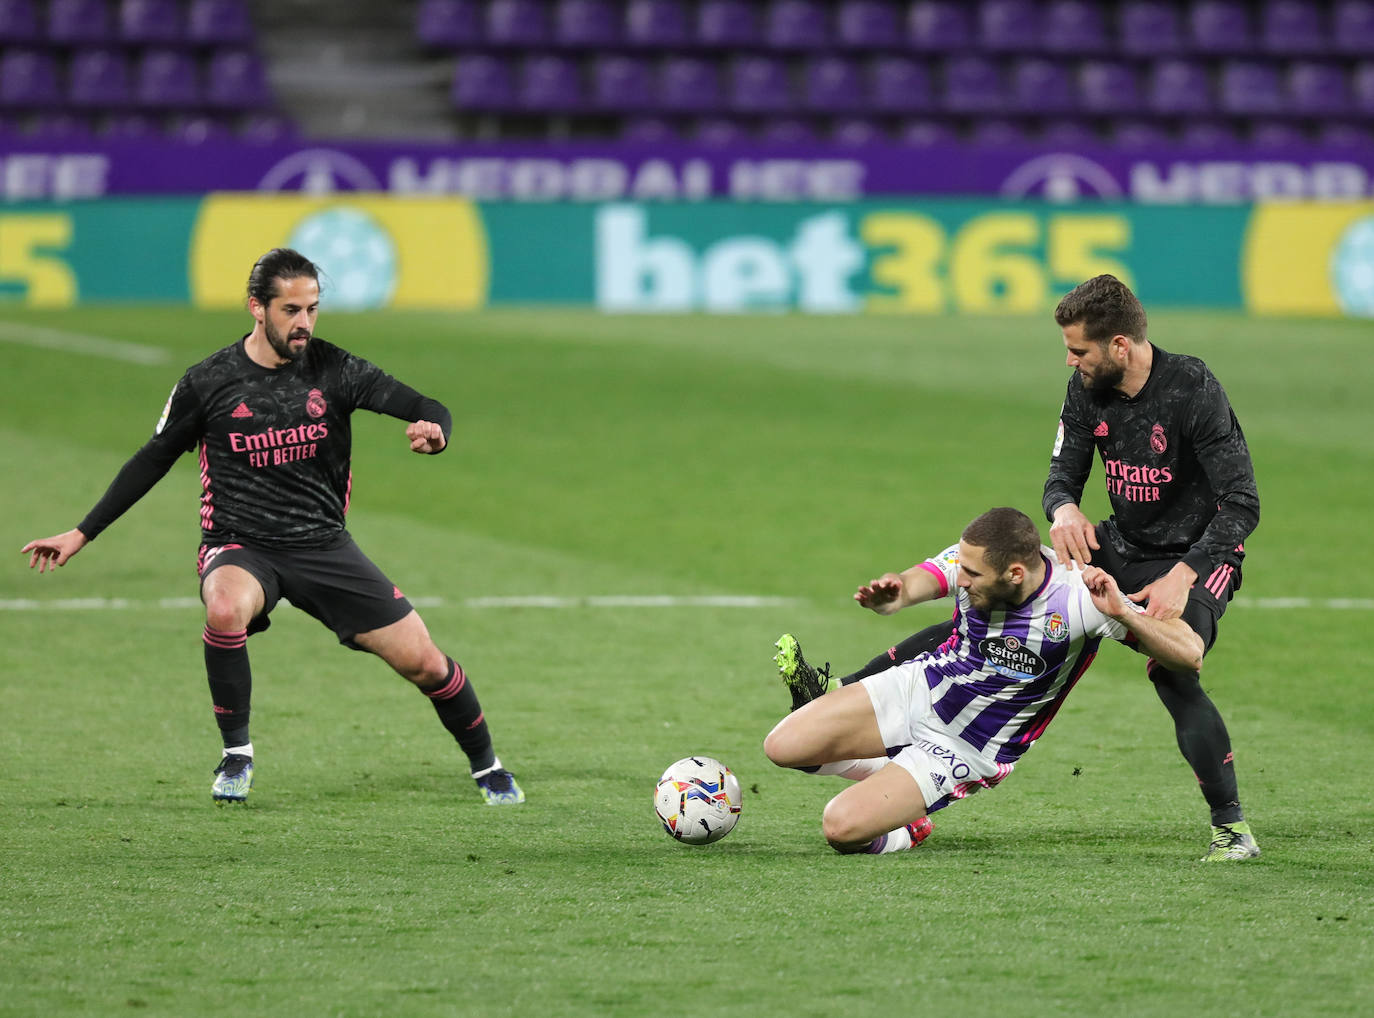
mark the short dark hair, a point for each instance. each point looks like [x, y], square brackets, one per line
[1006, 535]
[279, 263]
[1105, 307]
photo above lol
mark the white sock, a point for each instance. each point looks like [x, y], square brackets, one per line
[893, 841]
[495, 766]
[245, 750]
[854, 770]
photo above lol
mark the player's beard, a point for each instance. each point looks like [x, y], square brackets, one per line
[1106, 378]
[282, 347]
[1001, 595]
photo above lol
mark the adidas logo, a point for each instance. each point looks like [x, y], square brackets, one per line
[241, 411]
[1101, 430]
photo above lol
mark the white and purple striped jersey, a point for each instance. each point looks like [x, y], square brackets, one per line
[1001, 677]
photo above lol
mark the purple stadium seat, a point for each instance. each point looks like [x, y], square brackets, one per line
[60, 126]
[868, 24]
[198, 130]
[1148, 28]
[517, 23]
[688, 85]
[588, 23]
[264, 128]
[1108, 87]
[759, 85]
[1249, 87]
[648, 131]
[622, 83]
[1220, 26]
[855, 132]
[1140, 135]
[1317, 89]
[1362, 85]
[1207, 134]
[797, 25]
[482, 82]
[167, 79]
[1293, 27]
[18, 22]
[1042, 86]
[924, 133]
[718, 132]
[444, 24]
[832, 85]
[150, 21]
[939, 26]
[1278, 134]
[899, 85]
[1180, 87]
[130, 127]
[1006, 26]
[79, 22]
[973, 84]
[28, 79]
[997, 132]
[1340, 134]
[1352, 26]
[1068, 134]
[787, 131]
[98, 79]
[728, 23]
[549, 84]
[1073, 26]
[235, 79]
[219, 23]
[657, 23]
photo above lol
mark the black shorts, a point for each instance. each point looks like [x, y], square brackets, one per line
[1207, 600]
[338, 585]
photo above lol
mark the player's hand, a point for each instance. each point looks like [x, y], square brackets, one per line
[1168, 595]
[425, 437]
[1073, 536]
[882, 595]
[1105, 593]
[47, 553]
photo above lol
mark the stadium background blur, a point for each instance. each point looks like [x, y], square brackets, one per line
[736, 304]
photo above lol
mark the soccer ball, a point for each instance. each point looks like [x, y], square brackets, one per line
[698, 800]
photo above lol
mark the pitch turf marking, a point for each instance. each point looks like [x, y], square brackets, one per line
[601, 601]
[76, 342]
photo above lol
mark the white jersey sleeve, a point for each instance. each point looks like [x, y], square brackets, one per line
[945, 568]
[1098, 624]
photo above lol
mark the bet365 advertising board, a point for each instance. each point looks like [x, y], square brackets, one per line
[869, 256]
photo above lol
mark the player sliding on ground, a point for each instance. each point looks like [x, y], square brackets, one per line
[270, 415]
[956, 719]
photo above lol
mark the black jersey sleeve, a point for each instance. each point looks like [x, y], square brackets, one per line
[177, 432]
[1225, 457]
[1072, 460]
[373, 389]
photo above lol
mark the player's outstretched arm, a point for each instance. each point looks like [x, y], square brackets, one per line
[1171, 642]
[892, 592]
[47, 553]
[425, 437]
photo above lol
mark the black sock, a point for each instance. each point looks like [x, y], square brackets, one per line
[913, 646]
[231, 683]
[1203, 740]
[456, 704]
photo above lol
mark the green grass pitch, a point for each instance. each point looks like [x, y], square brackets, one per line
[772, 457]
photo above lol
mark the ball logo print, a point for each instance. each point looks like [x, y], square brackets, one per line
[698, 800]
[355, 251]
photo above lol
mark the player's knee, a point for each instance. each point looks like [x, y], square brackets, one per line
[226, 613]
[842, 826]
[782, 747]
[424, 665]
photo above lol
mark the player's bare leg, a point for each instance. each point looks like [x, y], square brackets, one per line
[838, 726]
[407, 647]
[884, 813]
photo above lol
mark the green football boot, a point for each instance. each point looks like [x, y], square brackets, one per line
[803, 681]
[1231, 841]
[233, 778]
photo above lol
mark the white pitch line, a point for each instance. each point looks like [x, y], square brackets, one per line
[76, 342]
[1362, 604]
[533, 601]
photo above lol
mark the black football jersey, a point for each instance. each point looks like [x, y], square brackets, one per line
[1175, 463]
[274, 444]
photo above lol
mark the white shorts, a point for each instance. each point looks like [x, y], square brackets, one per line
[944, 766]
